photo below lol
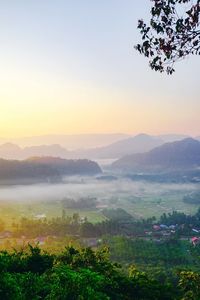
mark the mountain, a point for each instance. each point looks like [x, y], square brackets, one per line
[46, 150]
[13, 151]
[10, 151]
[137, 144]
[71, 142]
[169, 138]
[125, 146]
[44, 169]
[179, 155]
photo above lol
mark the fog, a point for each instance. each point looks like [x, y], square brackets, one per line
[77, 187]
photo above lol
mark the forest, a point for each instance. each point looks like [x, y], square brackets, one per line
[85, 274]
[118, 222]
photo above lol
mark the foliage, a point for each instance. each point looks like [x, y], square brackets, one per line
[148, 253]
[170, 35]
[119, 222]
[74, 274]
[190, 284]
[85, 275]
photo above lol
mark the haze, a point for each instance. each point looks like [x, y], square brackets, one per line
[138, 198]
[69, 67]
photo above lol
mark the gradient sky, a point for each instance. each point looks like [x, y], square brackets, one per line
[68, 66]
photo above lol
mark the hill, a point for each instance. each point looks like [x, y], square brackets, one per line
[13, 151]
[70, 141]
[169, 138]
[180, 155]
[40, 169]
[53, 150]
[140, 143]
[10, 151]
[137, 144]
[123, 146]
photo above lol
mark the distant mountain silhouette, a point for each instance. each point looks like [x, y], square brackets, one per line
[137, 144]
[10, 151]
[169, 138]
[125, 146]
[13, 151]
[41, 169]
[46, 150]
[71, 141]
[184, 154]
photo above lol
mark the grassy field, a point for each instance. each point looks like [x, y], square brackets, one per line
[140, 199]
[12, 212]
[155, 206]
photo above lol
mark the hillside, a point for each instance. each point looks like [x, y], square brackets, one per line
[169, 138]
[137, 144]
[44, 169]
[10, 151]
[180, 155]
[13, 151]
[123, 146]
[70, 141]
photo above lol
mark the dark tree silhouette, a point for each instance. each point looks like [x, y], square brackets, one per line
[172, 33]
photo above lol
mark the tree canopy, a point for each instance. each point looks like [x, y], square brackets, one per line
[172, 34]
[85, 274]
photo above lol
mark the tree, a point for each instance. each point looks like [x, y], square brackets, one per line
[190, 283]
[172, 33]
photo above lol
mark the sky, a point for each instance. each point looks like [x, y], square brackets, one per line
[69, 67]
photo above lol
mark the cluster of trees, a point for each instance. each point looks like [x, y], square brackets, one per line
[185, 222]
[84, 274]
[119, 222]
[169, 254]
[73, 226]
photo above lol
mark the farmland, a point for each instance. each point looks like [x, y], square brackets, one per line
[140, 199]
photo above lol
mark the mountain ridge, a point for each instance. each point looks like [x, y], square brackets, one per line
[45, 169]
[184, 154]
[134, 144]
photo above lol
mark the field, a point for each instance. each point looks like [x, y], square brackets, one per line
[141, 199]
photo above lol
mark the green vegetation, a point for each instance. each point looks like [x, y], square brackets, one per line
[85, 274]
[157, 260]
[118, 221]
[146, 254]
[156, 256]
[193, 198]
[139, 199]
